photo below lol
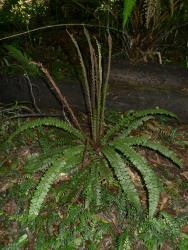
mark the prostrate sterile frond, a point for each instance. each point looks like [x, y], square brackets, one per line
[150, 179]
[44, 186]
[154, 111]
[163, 150]
[70, 160]
[121, 171]
[121, 124]
[145, 141]
[135, 124]
[133, 120]
[53, 122]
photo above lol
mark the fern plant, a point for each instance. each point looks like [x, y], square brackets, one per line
[104, 155]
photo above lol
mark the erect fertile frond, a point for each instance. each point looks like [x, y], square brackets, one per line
[71, 158]
[152, 11]
[146, 142]
[121, 171]
[54, 122]
[150, 179]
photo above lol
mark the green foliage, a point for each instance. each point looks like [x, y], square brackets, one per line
[153, 233]
[23, 60]
[133, 120]
[123, 143]
[127, 10]
[150, 179]
[57, 168]
[87, 233]
[121, 171]
[49, 122]
[153, 23]
[22, 12]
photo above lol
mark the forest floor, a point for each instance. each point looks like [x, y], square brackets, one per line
[174, 199]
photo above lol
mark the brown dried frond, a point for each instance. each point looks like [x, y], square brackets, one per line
[152, 9]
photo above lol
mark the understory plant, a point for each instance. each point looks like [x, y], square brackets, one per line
[90, 161]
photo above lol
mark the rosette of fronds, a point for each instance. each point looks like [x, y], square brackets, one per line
[102, 156]
[89, 164]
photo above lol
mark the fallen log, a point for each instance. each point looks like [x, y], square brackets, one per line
[130, 87]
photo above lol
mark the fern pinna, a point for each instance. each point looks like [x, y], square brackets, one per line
[102, 159]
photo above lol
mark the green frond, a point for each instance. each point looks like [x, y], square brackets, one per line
[106, 172]
[133, 120]
[45, 184]
[23, 59]
[154, 111]
[150, 179]
[163, 150]
[71, 151]
[98, 187]
[121, 171]
[130, 140]
[90, 191]
[127, 10]
[71, 191]
[54, 122]
[50, 152]
[124, 241]
[122, 123]
[144, 141]
[71, 158]
[136, 124]
[155, 231]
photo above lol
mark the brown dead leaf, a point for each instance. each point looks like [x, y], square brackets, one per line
[184, 229]
[184, 174]
[10, 207]
[164, 200]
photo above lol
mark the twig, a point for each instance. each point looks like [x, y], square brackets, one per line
[62, 25]
[34, 115]
[31, 91]
[62, 98]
